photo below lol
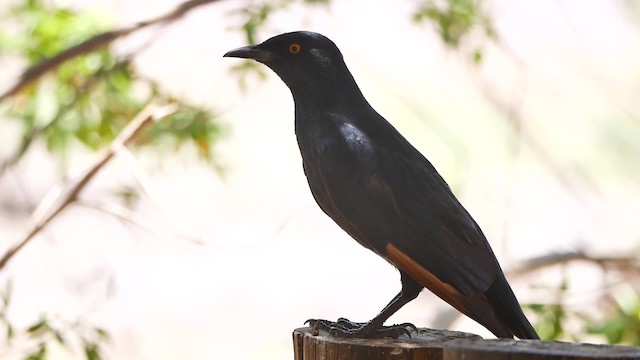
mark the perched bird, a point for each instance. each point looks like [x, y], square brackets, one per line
[384, 193]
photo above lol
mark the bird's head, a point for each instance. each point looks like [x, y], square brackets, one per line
[304, 60]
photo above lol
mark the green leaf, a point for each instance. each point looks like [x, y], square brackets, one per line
[60, 338]
[40, 354]
[10, 332]
[6, 294]
[477, 56]
[455, 19]
[39, 326]
[102, 333]
[92, 351]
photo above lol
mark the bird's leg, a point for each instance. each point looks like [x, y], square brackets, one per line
[374, 328]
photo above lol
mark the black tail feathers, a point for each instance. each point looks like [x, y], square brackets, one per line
[508, 310]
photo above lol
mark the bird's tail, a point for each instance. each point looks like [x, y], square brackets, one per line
[508, 310]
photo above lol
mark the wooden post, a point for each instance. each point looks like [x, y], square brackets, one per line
[430, 344]
[426, 345]
[506, 349]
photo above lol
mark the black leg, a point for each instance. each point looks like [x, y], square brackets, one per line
[375, 328]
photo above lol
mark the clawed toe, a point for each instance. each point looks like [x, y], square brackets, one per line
[409, 327]
[395, 331]
[349, 329]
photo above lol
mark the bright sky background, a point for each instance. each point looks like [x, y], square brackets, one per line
[271, 259]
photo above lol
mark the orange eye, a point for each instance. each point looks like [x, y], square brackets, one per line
[294, 48]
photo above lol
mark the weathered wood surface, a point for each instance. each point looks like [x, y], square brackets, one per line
[505, 349]
[431, 344]
[426, 345]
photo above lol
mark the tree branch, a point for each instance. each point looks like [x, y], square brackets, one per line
[36, 71]
[58, 199]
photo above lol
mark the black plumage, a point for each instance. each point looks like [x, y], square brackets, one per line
[384, 193]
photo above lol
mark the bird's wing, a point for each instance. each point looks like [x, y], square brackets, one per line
[438, 232]
[396, 204]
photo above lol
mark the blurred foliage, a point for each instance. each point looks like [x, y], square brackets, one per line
[454, 19]
[614, 318]
[36, 340]
[552, 314]
[255, 14]
[89, 98]
[457, 20]
[622, 323]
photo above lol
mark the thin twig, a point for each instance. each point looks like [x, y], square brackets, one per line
[622, 263]
[58, 199]
[36, 71]
[145, 185]
[128, 216]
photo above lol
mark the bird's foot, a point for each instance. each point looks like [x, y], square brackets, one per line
[349, 329]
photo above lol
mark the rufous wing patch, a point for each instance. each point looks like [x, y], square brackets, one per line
[445, 291]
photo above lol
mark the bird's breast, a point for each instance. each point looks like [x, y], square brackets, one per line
[338, 141]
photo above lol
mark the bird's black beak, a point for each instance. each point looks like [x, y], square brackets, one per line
[250, 52]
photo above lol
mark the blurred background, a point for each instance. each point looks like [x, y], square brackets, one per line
[128, 234]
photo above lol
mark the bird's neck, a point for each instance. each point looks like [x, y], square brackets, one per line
[318, 108]
[341, 94]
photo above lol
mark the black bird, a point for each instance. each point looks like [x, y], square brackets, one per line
[384, 193]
